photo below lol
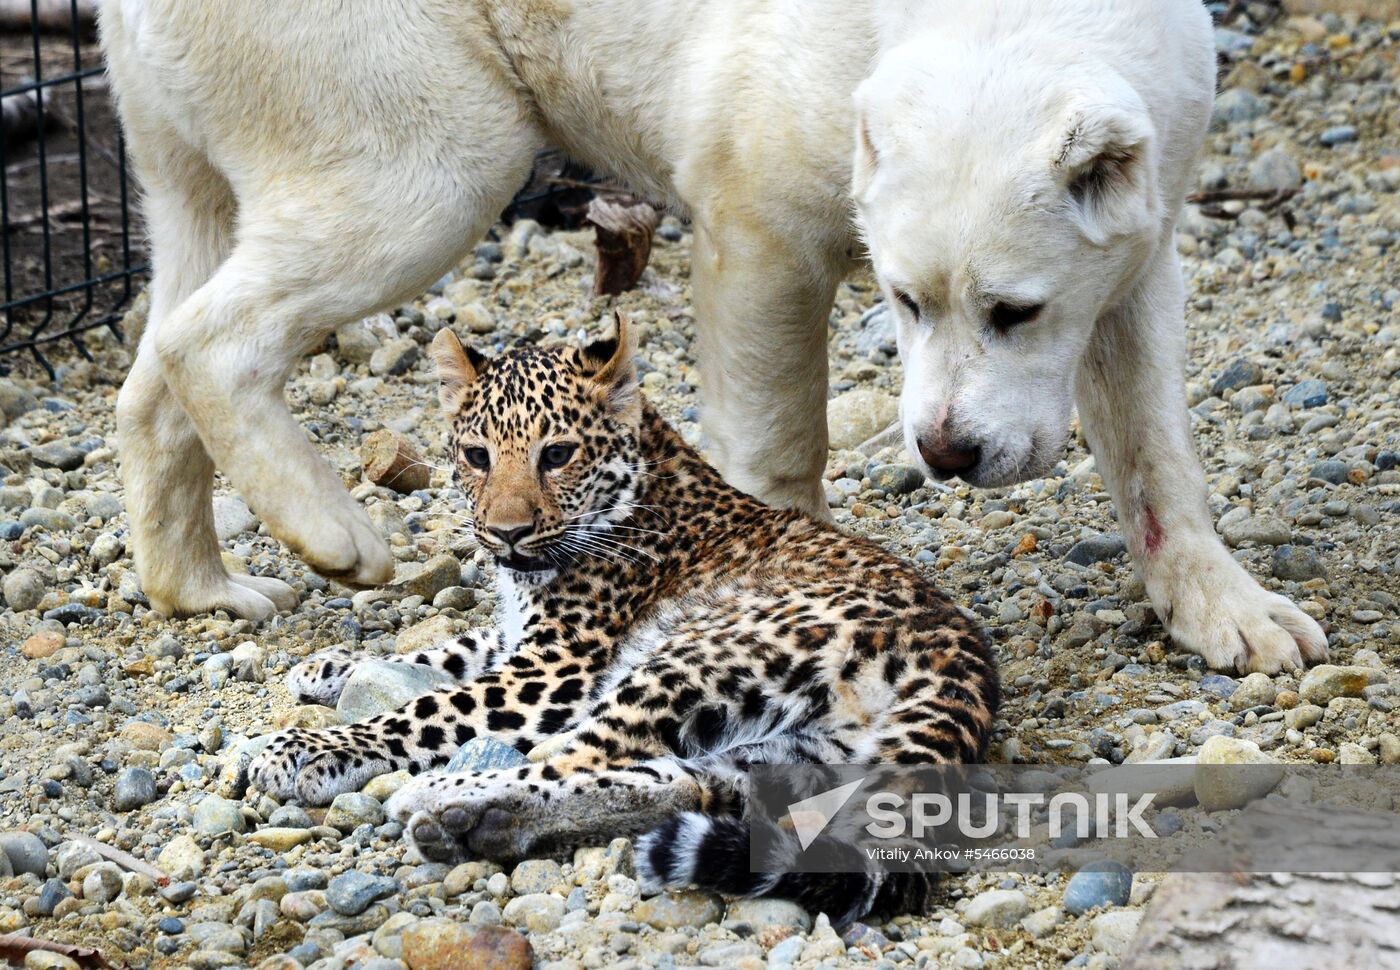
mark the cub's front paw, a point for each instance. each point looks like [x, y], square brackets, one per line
[1212, 607]
[454, 818]
[314, 766]
[321, 679]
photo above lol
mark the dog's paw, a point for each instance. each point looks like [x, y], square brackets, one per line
[283, 597]
[314, 766]
[1212, 607]
[321, 679]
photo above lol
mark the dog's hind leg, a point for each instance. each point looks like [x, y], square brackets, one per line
[1132, 401]
[167, 473]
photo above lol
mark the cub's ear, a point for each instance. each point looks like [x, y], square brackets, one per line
[609, 362]
[1104, 162]
[457, 367]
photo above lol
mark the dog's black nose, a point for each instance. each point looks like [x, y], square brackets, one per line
[949, 458]
[511, 534]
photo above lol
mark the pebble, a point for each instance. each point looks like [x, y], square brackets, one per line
[215, 815]
[135, 787]
[1322, 683]
[377, 686]
[536, 876]
[676, 910]
[26, 853]
[1306, 394]
[858, 415]
[1297, 563]
[1098, 884]
[1219, 790]
[350, 810]
[1255, 690]
[440, 944]
[484, 753]
[1274, 170]
[24, 589]
[537, 912]
[1260, 530]
[1112, 932]
[351, 893]
[998, 908]
[1099, 548]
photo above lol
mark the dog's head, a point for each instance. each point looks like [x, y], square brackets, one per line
[1003, 212]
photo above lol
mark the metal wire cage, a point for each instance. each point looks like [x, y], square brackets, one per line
[71, 248]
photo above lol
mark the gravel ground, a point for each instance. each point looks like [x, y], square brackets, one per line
[120, 725]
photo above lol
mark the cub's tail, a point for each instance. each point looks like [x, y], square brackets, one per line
[713, 852]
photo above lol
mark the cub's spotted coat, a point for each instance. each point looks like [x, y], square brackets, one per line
[679, 629]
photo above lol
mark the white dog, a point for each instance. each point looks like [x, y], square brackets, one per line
[1019, 165]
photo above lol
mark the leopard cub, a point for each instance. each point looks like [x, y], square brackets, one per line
[676, 629]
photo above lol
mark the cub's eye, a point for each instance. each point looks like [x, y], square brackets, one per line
[557, 456]
[908, 301]
[1004, 316]
[478, 458]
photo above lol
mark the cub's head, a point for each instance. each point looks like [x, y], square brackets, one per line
[1004, 212]
[545, 442]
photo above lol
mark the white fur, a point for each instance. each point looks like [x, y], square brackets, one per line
[511, 602]
[309, 163]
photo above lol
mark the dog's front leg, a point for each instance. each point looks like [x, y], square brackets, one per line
[762, 313]
[1132, 402]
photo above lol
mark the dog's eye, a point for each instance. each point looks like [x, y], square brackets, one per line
[1004, 316]
[557, 456]
[908, 302]
[478, 458]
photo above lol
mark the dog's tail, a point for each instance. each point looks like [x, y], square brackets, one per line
[713, 852]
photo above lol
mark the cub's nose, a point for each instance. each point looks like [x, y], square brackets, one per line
[510, 534]
[949, 458]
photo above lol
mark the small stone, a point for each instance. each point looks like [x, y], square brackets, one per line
[1237, 104]
[181, 859]
[1388, 750]
[1300, 718]
[763, 913]
[215, 815]
[232, 517]
[1255, 690]
[48, 960]
[1232, 772]
[484, 753]
[350, 810]
[440, 944]
[429, 578]
[249, 661]
[351, 893]
[280, 839]
[390, 460]
[43, 644]
[1322, 683]
[375, 687]
[1264, 530]
[1339, 135]
[1105, 883]
[858, 415]
[393, 358]
[1306, 394]
[999, 908]
[26, 852]
[670, 911]
[51, 893]
[1331, 471]
[1351, 753]
[1240, 373]
[536, 912]
[1098, 548]
[896, 479]
[103, 883]
[382, 786]
[1274, 170]
[1298, 564]
[1112, 932]
[537, 876]
[1042, 922]
[135, 787]
[359, 340]
[24, 589]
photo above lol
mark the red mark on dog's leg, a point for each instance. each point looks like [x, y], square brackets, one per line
[1154, 536]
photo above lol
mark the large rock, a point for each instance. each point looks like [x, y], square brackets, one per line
[377, 686]
[859, 414]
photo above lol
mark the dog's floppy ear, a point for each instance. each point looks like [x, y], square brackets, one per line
[457, 368]
[609, 362]
[1103, 160]
[867, 157]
